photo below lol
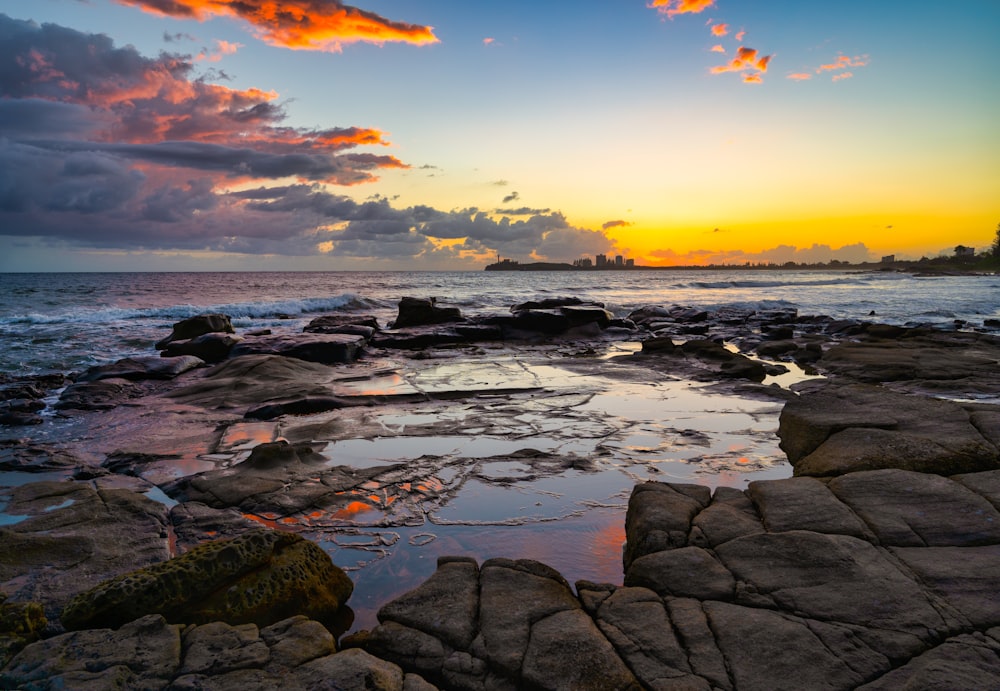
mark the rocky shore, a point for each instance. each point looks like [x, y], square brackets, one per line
[128, 563]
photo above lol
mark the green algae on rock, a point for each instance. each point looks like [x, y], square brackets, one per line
[260, 577]
[21, 623]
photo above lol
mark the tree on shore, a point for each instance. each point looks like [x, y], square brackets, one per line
[995, 250]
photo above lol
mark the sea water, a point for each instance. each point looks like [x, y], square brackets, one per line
[66, 322]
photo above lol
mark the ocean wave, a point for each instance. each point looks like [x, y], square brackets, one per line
[737, 284]
[349, 302]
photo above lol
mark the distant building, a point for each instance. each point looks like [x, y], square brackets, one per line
[963, 251]
[602, 261]
[619, 260]
[584, 263]
[889, 259]
[629, 263]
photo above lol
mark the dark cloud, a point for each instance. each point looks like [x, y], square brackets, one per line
[103, 147]
[512, 197]
[521, 211]
[614, 224]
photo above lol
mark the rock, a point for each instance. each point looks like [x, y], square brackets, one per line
[323, 348]
[193, 327]
[336, 323]
[549, 322]
[139, 368]
[920, 359]
[278, 478]
[552, 303]
[422, 311]
[445, 606]
[303, 405]
[297, 640]
[842, 429]
[804, 503]
[217, 648]
[659, 517]
[105, 394]
[260, 577]
[682, 572]
[730, 515]
[351, 670]
[142, 654]
[587, 314]
[255, 379]
[636, 623]
[19, 418]
[907, 509]
[21, 623]
[790, 655]
[966, 578]
[566, 652]
[969, 661]
[75, 536]
[417, 337]
[775, 348]
[514, 595]
[210, 347]
[833, 578]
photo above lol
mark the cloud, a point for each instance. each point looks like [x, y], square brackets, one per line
[739, 35]
[671, 8]
[747, 61]
[522, 211]
[720, 29]
[842, 75]
[105, 148]
[325, 25]
[816, 254]
[513, 196]
[222, 48]
[718, 49]
[614, 224]
[843, 62]
[488, 41]
[799, 76]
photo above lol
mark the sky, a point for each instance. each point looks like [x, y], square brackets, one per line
[438, 135]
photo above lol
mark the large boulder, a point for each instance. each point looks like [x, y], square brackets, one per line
[422, 311]
[210, 347]
[193, 327]
[259, 578]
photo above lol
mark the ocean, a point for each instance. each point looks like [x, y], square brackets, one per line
[66, 322]
[544, 476]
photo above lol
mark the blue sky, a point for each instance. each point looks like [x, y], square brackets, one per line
[534, 130]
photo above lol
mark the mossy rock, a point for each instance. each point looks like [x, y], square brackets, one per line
[260, 577]
[21, 623]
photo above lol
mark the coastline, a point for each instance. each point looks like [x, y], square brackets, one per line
[440, 375]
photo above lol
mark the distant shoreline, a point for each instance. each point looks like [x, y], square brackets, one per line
[914, 267]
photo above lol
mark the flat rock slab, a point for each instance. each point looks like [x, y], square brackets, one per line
[311, 347]
[73, 536]
[838, 430]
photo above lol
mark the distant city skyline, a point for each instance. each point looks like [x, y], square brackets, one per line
[197, 135]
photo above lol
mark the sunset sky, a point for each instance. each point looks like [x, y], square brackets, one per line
[311, 134]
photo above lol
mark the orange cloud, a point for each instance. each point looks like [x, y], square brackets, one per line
[222, 48]
[748, 62]
[720, 29]
[843, 62]
[487, 41]
[297, 24]
[675, 7]
[799, 76]
[739, 36]
[842, 75]
[718, 49]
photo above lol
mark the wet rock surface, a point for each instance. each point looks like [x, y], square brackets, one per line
[875, 566]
